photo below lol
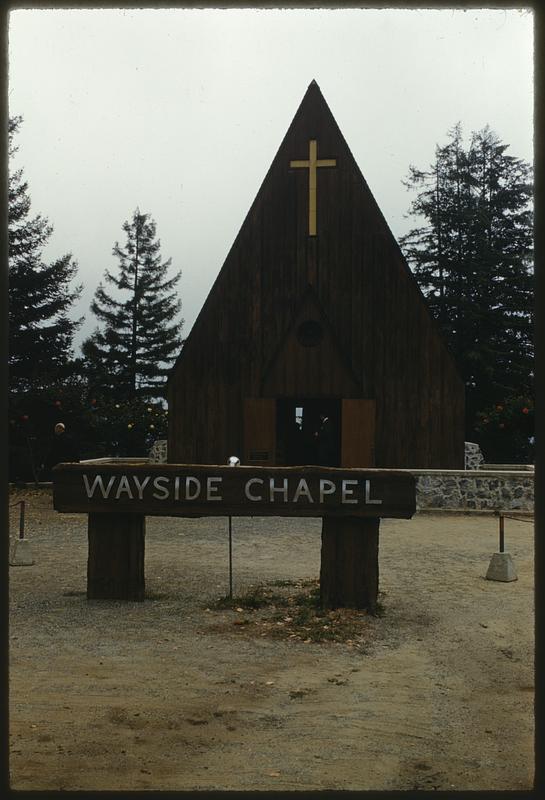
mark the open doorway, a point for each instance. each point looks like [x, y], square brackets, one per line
[298, 422]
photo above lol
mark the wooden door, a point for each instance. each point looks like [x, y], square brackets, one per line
[358, 433]
[259, 431]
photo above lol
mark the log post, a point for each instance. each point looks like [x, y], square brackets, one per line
[115, 566]
[349, 562]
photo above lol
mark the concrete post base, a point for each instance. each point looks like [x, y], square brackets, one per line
[501, 568]
[20, 553]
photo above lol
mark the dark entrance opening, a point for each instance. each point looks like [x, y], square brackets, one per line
[298, 422]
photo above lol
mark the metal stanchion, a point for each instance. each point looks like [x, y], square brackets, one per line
[501, 567]
[22, 520]
[20, 554]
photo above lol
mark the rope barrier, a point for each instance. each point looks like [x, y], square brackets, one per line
[518, 519]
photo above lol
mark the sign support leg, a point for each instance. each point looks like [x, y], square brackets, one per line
[349, 563]
[115, 565]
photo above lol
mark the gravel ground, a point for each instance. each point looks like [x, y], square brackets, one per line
[436, 693]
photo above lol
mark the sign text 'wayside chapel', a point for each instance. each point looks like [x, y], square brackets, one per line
[175, 490]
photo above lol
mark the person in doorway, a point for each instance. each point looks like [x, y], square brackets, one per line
[325, 439]
[63, 449]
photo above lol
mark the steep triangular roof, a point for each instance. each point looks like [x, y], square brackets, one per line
[282, 202]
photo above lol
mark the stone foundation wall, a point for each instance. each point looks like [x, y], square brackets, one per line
[475, 490]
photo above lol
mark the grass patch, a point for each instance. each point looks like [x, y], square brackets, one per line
[379, 610]
[255, 597]
[293, 614]
[156, 595]
[281, 582]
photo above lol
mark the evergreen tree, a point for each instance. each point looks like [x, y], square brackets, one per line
[40, 295]
[472, 257]
[140, 336]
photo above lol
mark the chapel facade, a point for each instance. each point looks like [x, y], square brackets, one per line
[315, 311]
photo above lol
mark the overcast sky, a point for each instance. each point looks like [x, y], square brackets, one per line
[180, 112]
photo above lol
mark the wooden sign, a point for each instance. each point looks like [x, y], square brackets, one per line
[181, 490]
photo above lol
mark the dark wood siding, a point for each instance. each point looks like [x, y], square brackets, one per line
[386, 345]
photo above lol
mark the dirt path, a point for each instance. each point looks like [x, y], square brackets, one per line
[437, 693]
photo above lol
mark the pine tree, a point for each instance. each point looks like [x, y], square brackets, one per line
[40, 296]
[140, 336]
[473, 260]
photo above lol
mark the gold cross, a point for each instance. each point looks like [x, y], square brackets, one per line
[312, 164]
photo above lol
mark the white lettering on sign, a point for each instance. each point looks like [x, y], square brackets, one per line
[302, 489]
[281, 489]
[326, 487]
[247, 492]
[368, 494]
[124, 487]
[196, 483]
[100, 483]
[211, 491]
[189, 488]
[141, 486]
[347, 493]
[161, 491]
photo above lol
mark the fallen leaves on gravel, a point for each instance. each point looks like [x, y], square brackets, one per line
[293, 615]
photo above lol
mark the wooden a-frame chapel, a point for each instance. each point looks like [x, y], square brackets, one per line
[315, 310]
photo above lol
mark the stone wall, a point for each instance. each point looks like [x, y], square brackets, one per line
[475, 490]
[508, 489]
